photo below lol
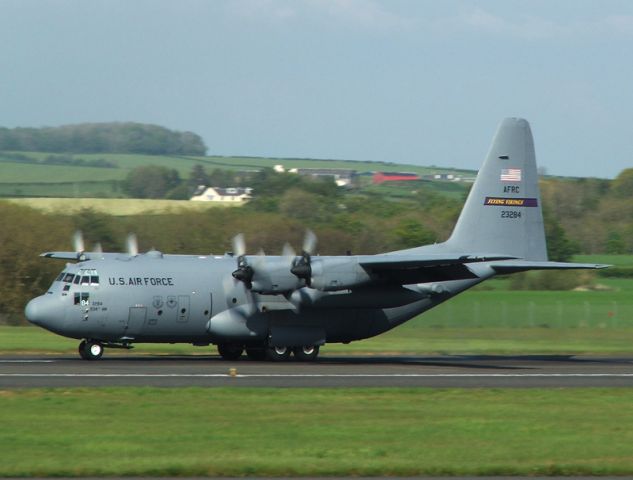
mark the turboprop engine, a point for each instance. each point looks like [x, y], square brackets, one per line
[332, 274]
[289, 272]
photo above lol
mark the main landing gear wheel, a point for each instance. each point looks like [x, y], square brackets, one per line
[230, 352]
[90, 350]
[278, 354]
[306, 354]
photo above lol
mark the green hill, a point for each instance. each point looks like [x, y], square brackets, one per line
[32, 174]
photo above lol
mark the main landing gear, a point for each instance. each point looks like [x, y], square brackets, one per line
[90, 350]
[275, 354]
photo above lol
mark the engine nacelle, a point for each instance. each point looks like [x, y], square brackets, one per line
[336, 273]
[274, 277]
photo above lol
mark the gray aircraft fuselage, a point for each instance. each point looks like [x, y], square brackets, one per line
[161, 298]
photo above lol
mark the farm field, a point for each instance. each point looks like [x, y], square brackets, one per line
[117, 206]
[32, 179]
[315, 432]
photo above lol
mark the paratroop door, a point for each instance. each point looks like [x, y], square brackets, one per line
[135, 321]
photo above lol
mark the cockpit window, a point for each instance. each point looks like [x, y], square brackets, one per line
[60, 276]
[68, 278]
[77, 279]
[94, 280]
[85, 280]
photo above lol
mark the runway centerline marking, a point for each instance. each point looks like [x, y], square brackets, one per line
[318, 375]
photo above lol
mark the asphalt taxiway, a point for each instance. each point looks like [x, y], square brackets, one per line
[529, 371]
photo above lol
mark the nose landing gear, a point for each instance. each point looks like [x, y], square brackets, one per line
[90, 350]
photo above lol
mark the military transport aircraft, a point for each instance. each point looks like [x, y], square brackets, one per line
[275, 306]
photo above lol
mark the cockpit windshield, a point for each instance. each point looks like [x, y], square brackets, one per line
[83, 277]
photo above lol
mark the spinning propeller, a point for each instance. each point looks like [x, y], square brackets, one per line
[301, 268]
[79, 246]
[273, 275]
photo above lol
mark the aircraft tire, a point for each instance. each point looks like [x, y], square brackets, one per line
[82, 350]
[278, 354]
[256, 354]
[230, 351]
[308, 353]
[91, 350]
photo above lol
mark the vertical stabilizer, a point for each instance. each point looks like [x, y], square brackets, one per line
[502, 214]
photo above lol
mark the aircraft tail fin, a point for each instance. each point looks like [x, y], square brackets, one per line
[503, 211]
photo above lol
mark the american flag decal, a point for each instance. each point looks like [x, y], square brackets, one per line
[510, 174]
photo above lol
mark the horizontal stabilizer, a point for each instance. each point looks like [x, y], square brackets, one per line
[514, 266]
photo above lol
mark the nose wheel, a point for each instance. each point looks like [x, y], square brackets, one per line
[90, 350]
[229, 351]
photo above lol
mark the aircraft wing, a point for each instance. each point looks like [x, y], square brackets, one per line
[82, 256]
[400, 262]
[412, 268]
[408, 269]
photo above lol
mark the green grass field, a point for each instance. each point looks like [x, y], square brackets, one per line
[309, 432]
[184, 164]
[615, 260]
[494, 321]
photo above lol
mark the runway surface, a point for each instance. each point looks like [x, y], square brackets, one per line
[329, 371]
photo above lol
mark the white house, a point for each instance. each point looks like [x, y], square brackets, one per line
[218, 194]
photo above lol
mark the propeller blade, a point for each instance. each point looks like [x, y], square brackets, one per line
[229, 287]
[239, 245]
[288, 251]
[309, 242]
[260, 260]
[78, 242]
[132, 245]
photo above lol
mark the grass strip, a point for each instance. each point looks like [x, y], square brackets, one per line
[403, 340]
[288, 432]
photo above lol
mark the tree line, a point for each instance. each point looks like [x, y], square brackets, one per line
[114, 137]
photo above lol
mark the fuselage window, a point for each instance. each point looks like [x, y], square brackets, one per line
[69, 278]
[85, 280]
[94, 280]
[77, 279]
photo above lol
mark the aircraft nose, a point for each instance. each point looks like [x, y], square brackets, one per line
[34, 311]
[39, 311]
